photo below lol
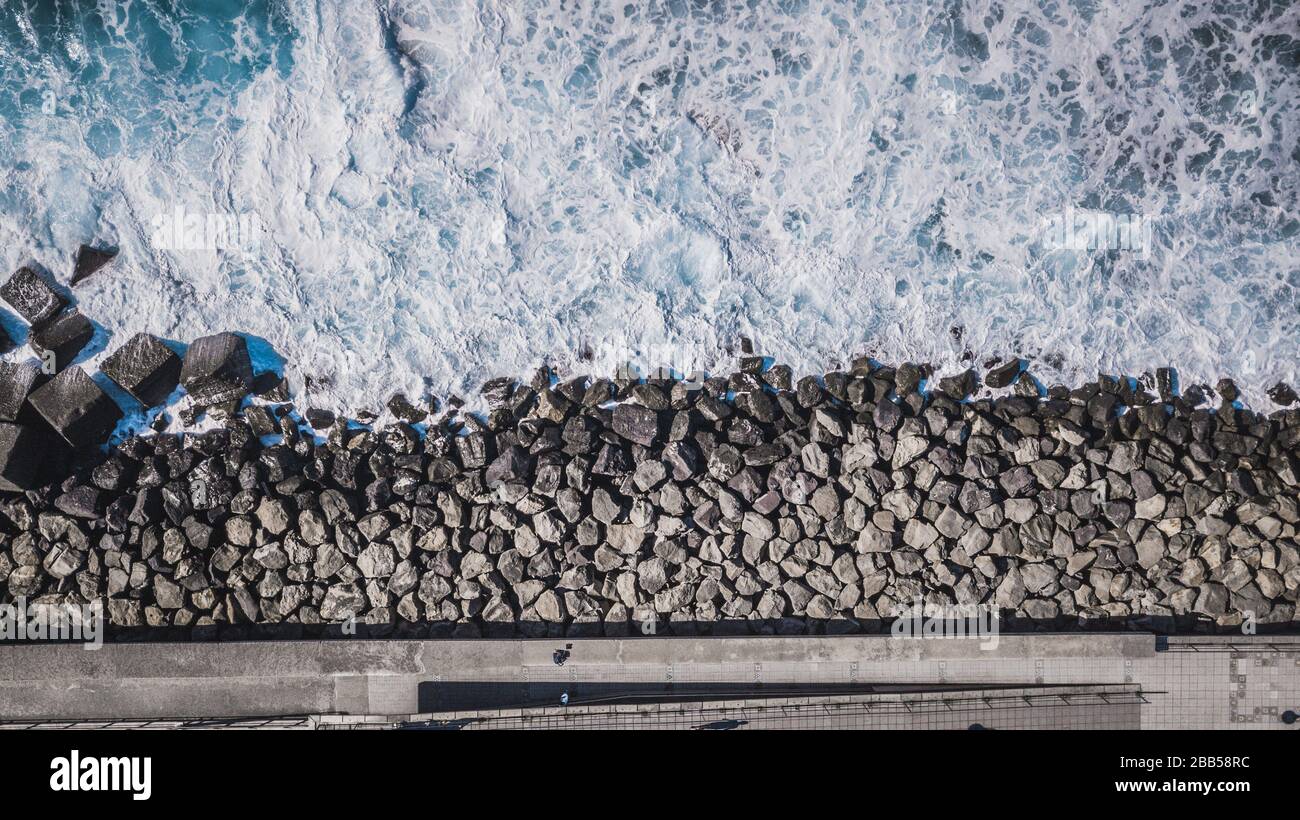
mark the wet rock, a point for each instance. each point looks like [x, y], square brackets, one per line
[1004, 374]
[217, 369]
[58, 341]
[907, 378]
[1227, 390]
[17, 381]
[32, 297]
[1282, 394]
[960, 386]
[403, 409]
[76, 408]
[269, 386]
[319, 419]
[89, 261]
[145, 368]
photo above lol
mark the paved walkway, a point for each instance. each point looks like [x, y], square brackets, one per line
[1191, 682]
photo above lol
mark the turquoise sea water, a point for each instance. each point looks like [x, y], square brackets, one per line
[449, 191]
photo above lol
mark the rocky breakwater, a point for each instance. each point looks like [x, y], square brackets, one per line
[587, 506]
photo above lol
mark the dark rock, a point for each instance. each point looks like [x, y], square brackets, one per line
[887, 415]
[1027, 386]
[1004, 374]
[90, 260]
[145, 368]
[20, 452]
[270, 386]
[907, 378]
[1227, 390]
[260, 420]
[32, 297]
[319, 419]
[497, 391]
[404, 410]
[59, 340]
[513, 464]
[82, 502]
[1165, 384]
[17, 381]
[648, 395]
[76, 408]
[217, 369]
[637, 424]
[473, 450]
[806, 510]
[960, 386]
[1282, 394]
[808, 392]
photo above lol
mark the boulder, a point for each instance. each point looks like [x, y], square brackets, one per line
[1003, 374]
[217, 369]
[403, 409]
[511, 465]
[82, 502]
[59, 340]
[167, 594]
[1011, 591]
[960, 386]
[32, 297]
[319, 419]
[145, 368]
[1282, 394]
[76, 408]
[637, 424]
[342, 601]
[1211, 600]
[62, 560]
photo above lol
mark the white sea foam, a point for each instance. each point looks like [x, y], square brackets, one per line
[455, 191]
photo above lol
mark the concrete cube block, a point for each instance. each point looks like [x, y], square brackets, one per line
[217, 369]
[76, 408]
[20, 457]
[17, 381]
[59, 340]
[145, 368]
[33, 297]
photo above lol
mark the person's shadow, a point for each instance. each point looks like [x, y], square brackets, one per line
[721, 725]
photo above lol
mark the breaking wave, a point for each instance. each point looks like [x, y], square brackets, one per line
[450, 191]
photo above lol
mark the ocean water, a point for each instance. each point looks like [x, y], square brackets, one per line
[434, 193]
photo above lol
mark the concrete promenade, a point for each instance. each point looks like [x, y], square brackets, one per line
[1208, 682]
